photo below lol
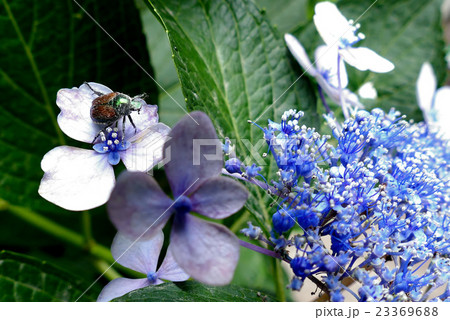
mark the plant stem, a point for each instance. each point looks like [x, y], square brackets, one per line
[278, 279]
[103, 267]
[97, 250]
[59, 231]
[259, 249]
[239, 222]
[87, 230]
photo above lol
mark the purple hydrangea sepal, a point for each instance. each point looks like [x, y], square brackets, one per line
[80, 179]
[207, 251]
[141, 256]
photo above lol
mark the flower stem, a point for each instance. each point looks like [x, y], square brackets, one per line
[57, 230]
[103, 267]
[259, 249]
[240, 222]
[87, 230]
[322, 97]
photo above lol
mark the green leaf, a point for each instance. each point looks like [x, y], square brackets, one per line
[23, 278]
[170, 100]
[191, 291]
[407, 32]
[286, 15]
[233, 66]
[48, 45]
[261, 274]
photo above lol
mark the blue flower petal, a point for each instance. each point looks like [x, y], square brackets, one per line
[113, 158]
[100, 147]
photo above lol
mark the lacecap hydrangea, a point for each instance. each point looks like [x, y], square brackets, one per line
[368, 205]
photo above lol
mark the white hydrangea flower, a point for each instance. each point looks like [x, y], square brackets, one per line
[368, 91]
[325, 72]
[81, 179]
[435, 104]
[340, 33]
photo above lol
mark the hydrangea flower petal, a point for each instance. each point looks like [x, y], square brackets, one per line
[145, 118]
[170, 270]
[299, 53]
[140, 255]
[138, 205]
[368, 91]
[425, 88]
[326, 59]
[120, 286]
[76, 179]
[366, 59]
[75, 104]
[146, 148]
[194, 153]
[113, 158]
[208, 251]
[442, 110]
[330, 23]
[219, 198]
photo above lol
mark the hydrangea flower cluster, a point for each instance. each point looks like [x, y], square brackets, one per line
[379, 192]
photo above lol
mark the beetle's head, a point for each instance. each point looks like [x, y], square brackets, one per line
[137, 102]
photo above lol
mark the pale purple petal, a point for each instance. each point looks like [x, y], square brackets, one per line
[425, 89]
[330, 23]
[119, 287]
[138, 254]
[75, 118]
[170, 270]
[146, 148]
[97, 87]
[327, 61]
[299, 53]
[207, 251]
[138, 205]
[219, 197]
[193, 153]
[146, 117]
[76, 179]
[366, 59]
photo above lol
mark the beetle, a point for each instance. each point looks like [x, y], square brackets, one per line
[107, 109]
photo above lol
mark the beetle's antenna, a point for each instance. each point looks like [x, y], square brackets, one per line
[141, 96]
[96, 92]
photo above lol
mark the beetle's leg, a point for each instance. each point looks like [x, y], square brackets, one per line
[96, 92]
[100, 132]
[134, 126]
[123, 129]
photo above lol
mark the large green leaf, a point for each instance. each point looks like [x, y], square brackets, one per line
[260, 276]
[24, 278]
[407, 32]
[285, 15]
[234, 66]
[191, 291]
[170, 101]
[48, 45]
